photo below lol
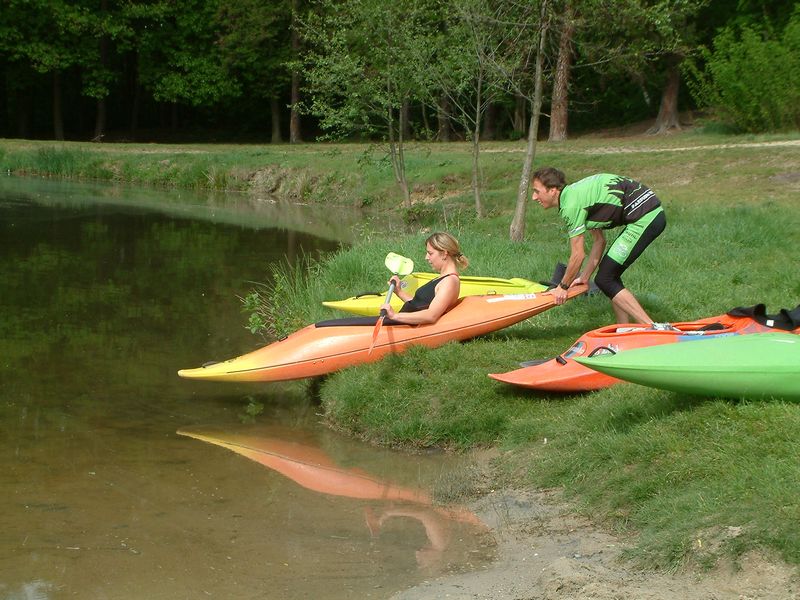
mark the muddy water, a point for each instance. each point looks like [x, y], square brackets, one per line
[101, 301]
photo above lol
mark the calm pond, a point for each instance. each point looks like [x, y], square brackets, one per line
[121, 480]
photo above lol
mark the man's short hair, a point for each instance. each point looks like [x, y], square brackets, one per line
[550, 177]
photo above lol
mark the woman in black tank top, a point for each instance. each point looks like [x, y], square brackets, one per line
[438, 296]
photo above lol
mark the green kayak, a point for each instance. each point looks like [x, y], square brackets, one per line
[760, 365]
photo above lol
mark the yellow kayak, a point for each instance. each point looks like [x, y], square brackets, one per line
[368, 304]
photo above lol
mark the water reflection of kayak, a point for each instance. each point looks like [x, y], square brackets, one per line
[369, 303]
[332, 345]
[308, 466]
[760, 365]
[564, 374]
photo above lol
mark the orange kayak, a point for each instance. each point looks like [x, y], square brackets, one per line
[332, 345]
[563, 374]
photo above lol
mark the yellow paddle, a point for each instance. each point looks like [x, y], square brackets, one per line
[397, 265]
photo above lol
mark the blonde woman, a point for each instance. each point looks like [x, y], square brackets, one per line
[432, 300]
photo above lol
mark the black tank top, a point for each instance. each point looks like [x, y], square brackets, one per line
[423, 296]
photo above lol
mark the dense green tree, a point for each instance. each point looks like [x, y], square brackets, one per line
[255, 47]
[179, 57]
[671, 24]
[719, 14]
[49, 37]
[752, 75]
[71, 64]
[475, 53]
[112, 33]
[638, 43]
[363, 66]
[83, 42]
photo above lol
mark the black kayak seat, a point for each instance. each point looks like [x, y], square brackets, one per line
[712, 327]
[356, 321]
[786, 320]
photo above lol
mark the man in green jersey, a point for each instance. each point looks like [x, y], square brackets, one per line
[592, 204]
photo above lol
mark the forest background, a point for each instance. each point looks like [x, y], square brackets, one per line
[293, 70]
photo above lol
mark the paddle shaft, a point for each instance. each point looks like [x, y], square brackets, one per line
[379, 322]
[388, 298]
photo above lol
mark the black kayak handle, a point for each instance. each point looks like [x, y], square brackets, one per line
[599, 348]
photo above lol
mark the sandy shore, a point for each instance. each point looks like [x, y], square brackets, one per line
[545, 552]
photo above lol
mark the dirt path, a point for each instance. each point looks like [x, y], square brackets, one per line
[613, 150]
[623, 150]
[545, 552]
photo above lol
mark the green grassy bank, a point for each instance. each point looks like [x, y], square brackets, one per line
[693, 478]
[360, 174]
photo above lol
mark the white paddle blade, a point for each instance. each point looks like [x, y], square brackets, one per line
[399, 265]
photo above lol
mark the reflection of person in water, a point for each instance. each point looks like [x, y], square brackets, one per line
[437, 530]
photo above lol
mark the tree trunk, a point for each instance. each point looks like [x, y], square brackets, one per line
[405, 119]
[5, 112]
[100, 115]
[476, 148]
[397, 156]
[134, 88]
[295, 132]
[490, 123]
[667, 118]
[517, 229]
[137, 100]
[100, 120]
[275, 109]
[558, 111]
[58, 116]
[425, 123]
[520, 114]
[443, 118]
[476, 187]
[23, 109]
[295, 135]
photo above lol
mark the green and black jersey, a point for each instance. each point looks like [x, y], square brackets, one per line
[604, 201]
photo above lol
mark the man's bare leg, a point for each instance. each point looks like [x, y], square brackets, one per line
[627, 308]
[620, 315]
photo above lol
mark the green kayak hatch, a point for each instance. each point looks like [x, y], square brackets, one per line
[759, 365]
